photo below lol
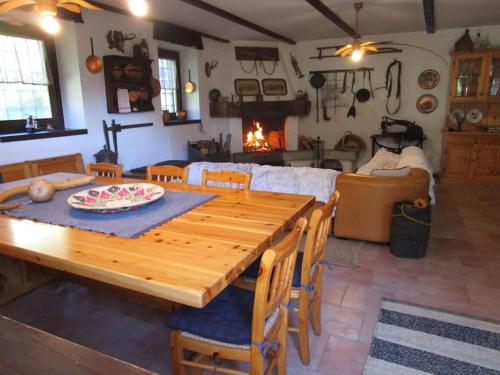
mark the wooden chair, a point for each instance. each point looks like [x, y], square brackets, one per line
[168, 173]
[17, 171]
[67, 163]
[228, 179]
[239, 324]
[308, 292]
[308, 274]
[105, 170]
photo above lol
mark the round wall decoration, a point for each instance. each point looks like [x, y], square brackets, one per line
[427, 103]
[428, 79]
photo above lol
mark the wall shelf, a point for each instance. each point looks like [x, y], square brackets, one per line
[261, 108]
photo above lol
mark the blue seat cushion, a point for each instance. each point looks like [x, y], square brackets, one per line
[253, 270]
[227, 318]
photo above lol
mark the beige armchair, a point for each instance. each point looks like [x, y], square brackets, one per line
[364, 210]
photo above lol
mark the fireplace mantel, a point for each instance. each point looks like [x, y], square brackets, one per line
[278, 108]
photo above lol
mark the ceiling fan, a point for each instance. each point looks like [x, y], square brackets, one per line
[357, 48]
[46, 7]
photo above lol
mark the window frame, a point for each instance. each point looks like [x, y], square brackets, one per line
[57, 120]
[173, 55]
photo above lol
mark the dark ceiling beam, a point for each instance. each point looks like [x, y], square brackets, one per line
[240, 21]
[124, 12]
[430, 22]
[332, 16]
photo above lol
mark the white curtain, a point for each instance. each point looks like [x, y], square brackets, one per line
[23, 79]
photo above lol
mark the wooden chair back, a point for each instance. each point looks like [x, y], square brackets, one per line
[167, 173]
[227, 179]
[274, 282]
[67, 163]
[17, 171]
[105, 170]
[316, 240]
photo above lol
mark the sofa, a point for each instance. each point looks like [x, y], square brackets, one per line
[364, 211]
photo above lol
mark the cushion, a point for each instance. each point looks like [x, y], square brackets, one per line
[227, 318]
[253, 270]
[383, 159]
[395, 172]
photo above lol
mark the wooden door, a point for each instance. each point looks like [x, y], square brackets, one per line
[457, 160]
[485, 160]
[468, 74]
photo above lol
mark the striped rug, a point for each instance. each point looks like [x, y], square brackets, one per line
[417, 340]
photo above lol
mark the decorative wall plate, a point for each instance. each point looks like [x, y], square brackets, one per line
[427, 103]
[115, 198]
[428, 79]
[474, 116]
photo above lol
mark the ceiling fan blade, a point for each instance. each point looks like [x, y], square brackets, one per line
[81, 3]
[347, 52]
[71, 7]
[370, 48]
[11, 5]
[341, 50]
[368, 43]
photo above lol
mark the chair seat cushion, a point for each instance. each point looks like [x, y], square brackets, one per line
[253, 270]
[227, 318]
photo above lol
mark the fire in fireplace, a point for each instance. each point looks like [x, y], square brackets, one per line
[264, 134]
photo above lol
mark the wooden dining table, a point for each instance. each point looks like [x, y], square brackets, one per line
[189, 259]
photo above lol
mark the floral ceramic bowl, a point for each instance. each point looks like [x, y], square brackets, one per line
[116, 198]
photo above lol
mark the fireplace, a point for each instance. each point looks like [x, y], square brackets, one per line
[263, 134]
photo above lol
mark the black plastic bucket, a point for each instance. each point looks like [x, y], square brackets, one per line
[410, 230]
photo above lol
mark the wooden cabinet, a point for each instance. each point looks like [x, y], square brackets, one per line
[471, 156]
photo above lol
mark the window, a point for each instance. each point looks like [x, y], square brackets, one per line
[28, 80]
[170, 80]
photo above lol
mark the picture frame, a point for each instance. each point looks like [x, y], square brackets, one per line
[274, 86]
[247, 87]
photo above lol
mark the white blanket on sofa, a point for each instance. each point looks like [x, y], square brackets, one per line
[410, 157]
[308, 181]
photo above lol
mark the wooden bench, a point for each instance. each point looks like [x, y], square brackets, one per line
[66, 163]
[17, 171]
[27, 350]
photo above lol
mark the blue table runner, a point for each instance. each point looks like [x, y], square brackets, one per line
[129, 224]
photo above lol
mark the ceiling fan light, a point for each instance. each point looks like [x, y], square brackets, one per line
[50, 24]
[356, 55]
[138, 8]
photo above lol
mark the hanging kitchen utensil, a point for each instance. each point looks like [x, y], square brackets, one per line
[325, 114]
[93, 63]
[370, 83]
[353, 82]
[317, 81]
[352, 109]
[344, 84]
[363, 95]
[189, 86]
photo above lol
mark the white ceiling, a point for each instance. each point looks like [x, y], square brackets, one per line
[298, 20]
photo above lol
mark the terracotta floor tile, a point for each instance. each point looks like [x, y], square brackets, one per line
[344, 356]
